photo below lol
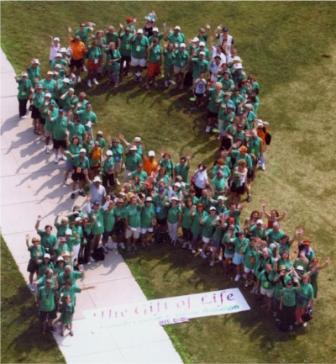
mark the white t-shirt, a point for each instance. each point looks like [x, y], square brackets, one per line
[201, 178]
[53, 51]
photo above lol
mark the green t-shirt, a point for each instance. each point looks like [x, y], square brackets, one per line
[289, 296]
[196, 226]
[187, 217]
[24, 88]
[47, 299]
[94, 53]
[174, 214]
[132, 161]
[36, 252]
[139, 47]
[76, 129]
[305, 294]
[125, 44]
[38, 99]
[160, 206]
[83, 34]
[182, 170]
[176, 38]
[215, 100]
[155, 54]
[133, 215]
[181, 58]
[168, 58]
[108, 165]
[59, 129]
[109, 220]
[98, 224]
[48, 241]
[208, 226]
[82, 163]
[113, 56]
[147, 216]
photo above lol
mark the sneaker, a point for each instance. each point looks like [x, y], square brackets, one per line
[208, 129]
[73, 195]
[193, 251]
[79, 80]
[263, 166]
[89, 83]
[193, 99]
[91, 260]
[81, 193]
[305, 324]
[117, 182]
[203, 255]
[237, 278]
[47, 150]
[166, 83]
[172, 82]
[24, 117]
[212, 263]
[71, 333]
[249, 198]
[64, 158]
[122, 246]
[95, 81]
[56, 160]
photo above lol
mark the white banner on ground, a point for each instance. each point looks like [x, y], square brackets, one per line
[172, 310]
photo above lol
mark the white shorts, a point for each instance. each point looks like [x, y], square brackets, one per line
[138, 62]
[266, 292]
[237, 259]
[205, 240]
[146, 230]
[247, 270]
[132, 233]
[178, 69]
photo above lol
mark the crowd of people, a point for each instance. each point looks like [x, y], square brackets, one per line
[136, 197]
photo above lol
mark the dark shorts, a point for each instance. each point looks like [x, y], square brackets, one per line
[78, 63]
[199, 96]
[32, 266]
[59, 144]
[251, 174]
[78, 176]
[47, 315]
[35, 113]
[119, 228]
[240, 190]
[212, 114]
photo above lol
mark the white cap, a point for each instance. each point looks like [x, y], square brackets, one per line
[237, 66]
[50, 73]
[46, 255]
[59, 54]
[148, 199]
[78, 219]
[82, 150]
[47, 95]
[24, 74]
[60, 259]
[202, 53]
[133, 147]
[66, 80]
[222, 198]
[202, 44]
[182, 45]
[68, 232]
[177, 184]
[56, 39]
[151, 153]
[195, 39]
[97, 179]
[177, 27]
[35, 61]
[259, 221]
[299, 267]
[212, 208]
[175, 198]
[155, 29]
[139, 31]
[249, 106]
[63, 50]
[137, 139]
[109, 153]
[236, 59]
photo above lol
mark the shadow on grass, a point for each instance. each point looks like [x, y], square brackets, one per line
[180, 274]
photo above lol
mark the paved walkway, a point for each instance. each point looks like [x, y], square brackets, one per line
[30, 185]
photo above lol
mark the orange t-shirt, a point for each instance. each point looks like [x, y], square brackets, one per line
[150, 165]
[78, 50]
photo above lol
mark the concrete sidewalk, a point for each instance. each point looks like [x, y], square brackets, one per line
[31, 185]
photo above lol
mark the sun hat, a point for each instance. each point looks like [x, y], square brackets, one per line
[97, 179]
[82, 150]
[182, 45]
[24, 74]
[202, 44]
[137, 139]
[155, 29]
[175, 198]
[148, 199]
[151, 153]
[139, 31]
[259, 221]
[59, 54]
[35, 61]
[46, 255]
[177, 27]
[47, 95]
[248, 106]
[56, 39]
[109, 153]
[60, 259]
[212, 208]
[63, 50]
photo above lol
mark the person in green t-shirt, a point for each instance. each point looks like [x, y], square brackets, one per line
[175, 36]
[173, 219]
[109, 222]
[288, 304]
[168, 64]
[305, 295]
[46, 299]
[113, 58]
[94, 56]
[132, 160]
[37, 252]
[148, 221]
[59, 133]
[25, 90]
[139, 46]
[67, 310]
[182, 169]
[48, 240]
[154, 62]
[208, 229]
[125, 49]
[133, 222]
[199, 215]
[181, 63]
[187, 217]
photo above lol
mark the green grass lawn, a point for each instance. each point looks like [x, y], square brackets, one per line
[291, 48]
[21, 340]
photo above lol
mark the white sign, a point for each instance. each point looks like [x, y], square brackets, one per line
[172, 310]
